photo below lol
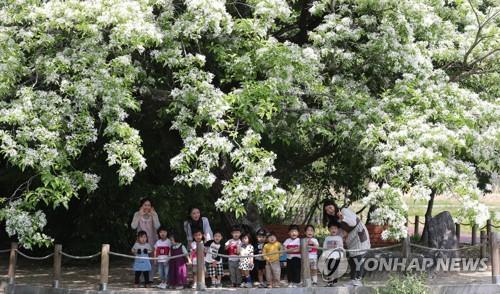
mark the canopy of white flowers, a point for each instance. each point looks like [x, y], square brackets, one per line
[411, 85]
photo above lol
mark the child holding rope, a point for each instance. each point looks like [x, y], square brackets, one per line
[246, 263]
[273, 266]
[213, 249]
[232, 246]
[162, 249]
[260, 263]
[313, 245]
[142, 266]
[197, 238]
[177, 274]
[292, 246]
[329, 256]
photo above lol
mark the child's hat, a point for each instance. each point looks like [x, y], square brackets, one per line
[261, 232]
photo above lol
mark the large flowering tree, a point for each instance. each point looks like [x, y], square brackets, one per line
[398, 97]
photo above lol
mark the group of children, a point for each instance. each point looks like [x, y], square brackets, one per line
[172, 258]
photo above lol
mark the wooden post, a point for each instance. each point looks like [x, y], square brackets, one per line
[57, 265]
[417, 223]
[474, 234]
[12, 263]
[483, 242]
[104, 267]
[305, 268]
[200, 266]
[495, 257]
[406, 250]
[488, 229]
[457, 232]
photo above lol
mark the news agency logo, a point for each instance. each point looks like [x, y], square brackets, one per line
[423, 264]
[333, 264]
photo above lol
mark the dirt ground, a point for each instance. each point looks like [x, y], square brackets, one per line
[85, 275]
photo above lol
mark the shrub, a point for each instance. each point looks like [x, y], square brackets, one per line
[411, 284]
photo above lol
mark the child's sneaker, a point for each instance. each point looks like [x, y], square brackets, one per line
[242, 285]
[193, 286]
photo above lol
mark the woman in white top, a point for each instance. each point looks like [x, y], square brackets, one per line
[146, 219]
[357, 236]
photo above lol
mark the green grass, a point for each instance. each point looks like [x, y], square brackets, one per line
[443, 204]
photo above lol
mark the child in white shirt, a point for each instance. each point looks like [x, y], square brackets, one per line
[292, 246]
[161, 251]
[332, 242]
[312, 244]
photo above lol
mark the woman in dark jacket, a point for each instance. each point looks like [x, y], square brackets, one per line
[197, 222]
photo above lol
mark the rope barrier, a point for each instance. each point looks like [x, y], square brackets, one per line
[368, 249]
[34, 257]
[147, 258]
[256, 255]
[4, 250]
[80, 257]
[444, 249]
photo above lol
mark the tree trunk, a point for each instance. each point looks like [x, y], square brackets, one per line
[252, 220]
[312, 210]
[372, 209]
[428, 216]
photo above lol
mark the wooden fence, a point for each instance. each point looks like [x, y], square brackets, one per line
[494, 245]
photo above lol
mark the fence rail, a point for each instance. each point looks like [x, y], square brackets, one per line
[487, 228]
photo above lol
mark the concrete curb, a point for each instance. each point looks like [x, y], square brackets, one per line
[434, 289]
[25, 289]
[465, 289]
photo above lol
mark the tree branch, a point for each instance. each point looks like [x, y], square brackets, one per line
[484, 57]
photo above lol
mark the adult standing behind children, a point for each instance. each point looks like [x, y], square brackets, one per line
[358, 238]
[146, 219]
[196, 222]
